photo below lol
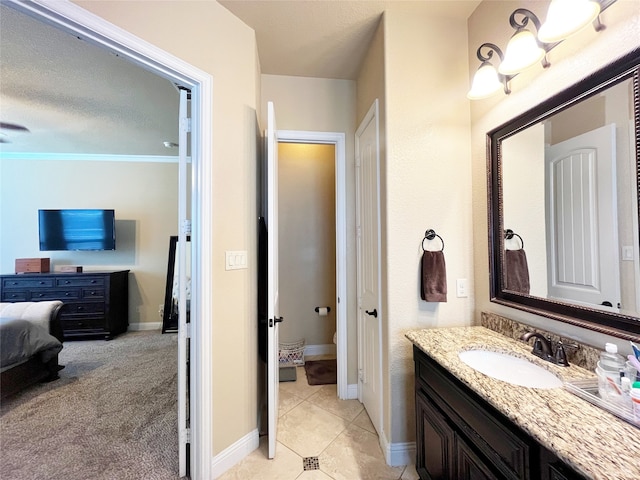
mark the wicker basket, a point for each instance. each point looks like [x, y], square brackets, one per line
[291, 354]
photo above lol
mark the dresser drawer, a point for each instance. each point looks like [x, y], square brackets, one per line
[80, 281]
[63, 295]
[83, 324]
[31, 282]
[17, 296]
[85, 308]
[95, 293]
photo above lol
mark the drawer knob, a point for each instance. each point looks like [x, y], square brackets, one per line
[67, 282]
[80, 308]
[41, 283]
[68, 294]
[93, 281]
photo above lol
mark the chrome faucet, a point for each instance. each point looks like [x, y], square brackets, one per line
[543, 347]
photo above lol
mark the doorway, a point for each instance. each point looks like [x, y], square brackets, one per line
[307, 245]
[74, 19]
[339, 143]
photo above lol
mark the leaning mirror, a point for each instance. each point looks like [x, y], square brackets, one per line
[170, 315]
[563, 205]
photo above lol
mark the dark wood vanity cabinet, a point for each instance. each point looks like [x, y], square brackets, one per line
[460, 436]
[96, 304]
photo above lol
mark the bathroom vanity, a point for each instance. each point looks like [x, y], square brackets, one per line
[472, 426]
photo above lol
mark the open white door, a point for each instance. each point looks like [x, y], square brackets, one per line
[368, 259]
[184, 328]
[273, 308]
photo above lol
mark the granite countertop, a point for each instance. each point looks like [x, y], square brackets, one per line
[595, 442]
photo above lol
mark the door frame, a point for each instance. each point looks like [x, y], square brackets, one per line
[98, 31]
[339, 141]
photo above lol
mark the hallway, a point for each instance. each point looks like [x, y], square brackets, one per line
[320, 438]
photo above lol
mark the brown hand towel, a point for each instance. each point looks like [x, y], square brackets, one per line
[433, 285]
[516, 271]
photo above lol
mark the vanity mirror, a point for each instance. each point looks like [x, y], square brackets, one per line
[563, 204]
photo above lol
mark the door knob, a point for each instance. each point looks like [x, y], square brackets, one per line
[374, 313]
[273, 321]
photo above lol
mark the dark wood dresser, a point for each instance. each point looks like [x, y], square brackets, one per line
[96, 304]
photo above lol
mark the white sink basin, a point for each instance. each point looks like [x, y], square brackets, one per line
[508, 368]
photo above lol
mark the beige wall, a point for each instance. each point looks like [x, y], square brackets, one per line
[207, 36]
[307, 241]
[428, 185]
[523, 197]
[145, 199]
[323, 105]
[371, 87]
[573, 59]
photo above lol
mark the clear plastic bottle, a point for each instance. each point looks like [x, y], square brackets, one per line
[610, 359]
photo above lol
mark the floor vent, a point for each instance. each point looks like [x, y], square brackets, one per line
[311, 463]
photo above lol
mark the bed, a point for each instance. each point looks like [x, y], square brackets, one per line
[30, 340]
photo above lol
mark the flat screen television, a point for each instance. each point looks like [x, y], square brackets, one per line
[77, 229]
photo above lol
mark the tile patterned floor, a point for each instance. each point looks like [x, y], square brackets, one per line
[320, 438]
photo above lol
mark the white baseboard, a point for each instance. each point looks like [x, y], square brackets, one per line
[235, 453]
[329, 349]
[352, 391]
[398, 454]
[138, 327]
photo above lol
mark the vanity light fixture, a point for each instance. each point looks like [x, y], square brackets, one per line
[564, 18]
[524, 49]
[487, 80]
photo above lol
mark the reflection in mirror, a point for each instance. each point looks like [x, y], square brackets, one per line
[170, 311]
[565, 186]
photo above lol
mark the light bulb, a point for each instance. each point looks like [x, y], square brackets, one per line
[485, 82]
[522, 52]
[566, 17]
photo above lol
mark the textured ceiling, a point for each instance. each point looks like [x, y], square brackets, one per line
[77, 98]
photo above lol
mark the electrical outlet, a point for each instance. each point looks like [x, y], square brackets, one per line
[462, 288]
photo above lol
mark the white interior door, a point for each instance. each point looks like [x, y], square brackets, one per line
[184, 333]
[582, 218]
[273, 308]
[368, 258]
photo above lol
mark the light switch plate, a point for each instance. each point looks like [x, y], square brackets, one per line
[462, 288]
[235, 260]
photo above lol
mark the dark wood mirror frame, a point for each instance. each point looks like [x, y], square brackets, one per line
[619, 325]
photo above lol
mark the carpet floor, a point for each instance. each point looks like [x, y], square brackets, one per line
[112, 415]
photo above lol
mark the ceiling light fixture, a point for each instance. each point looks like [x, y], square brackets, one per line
[564, 18]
